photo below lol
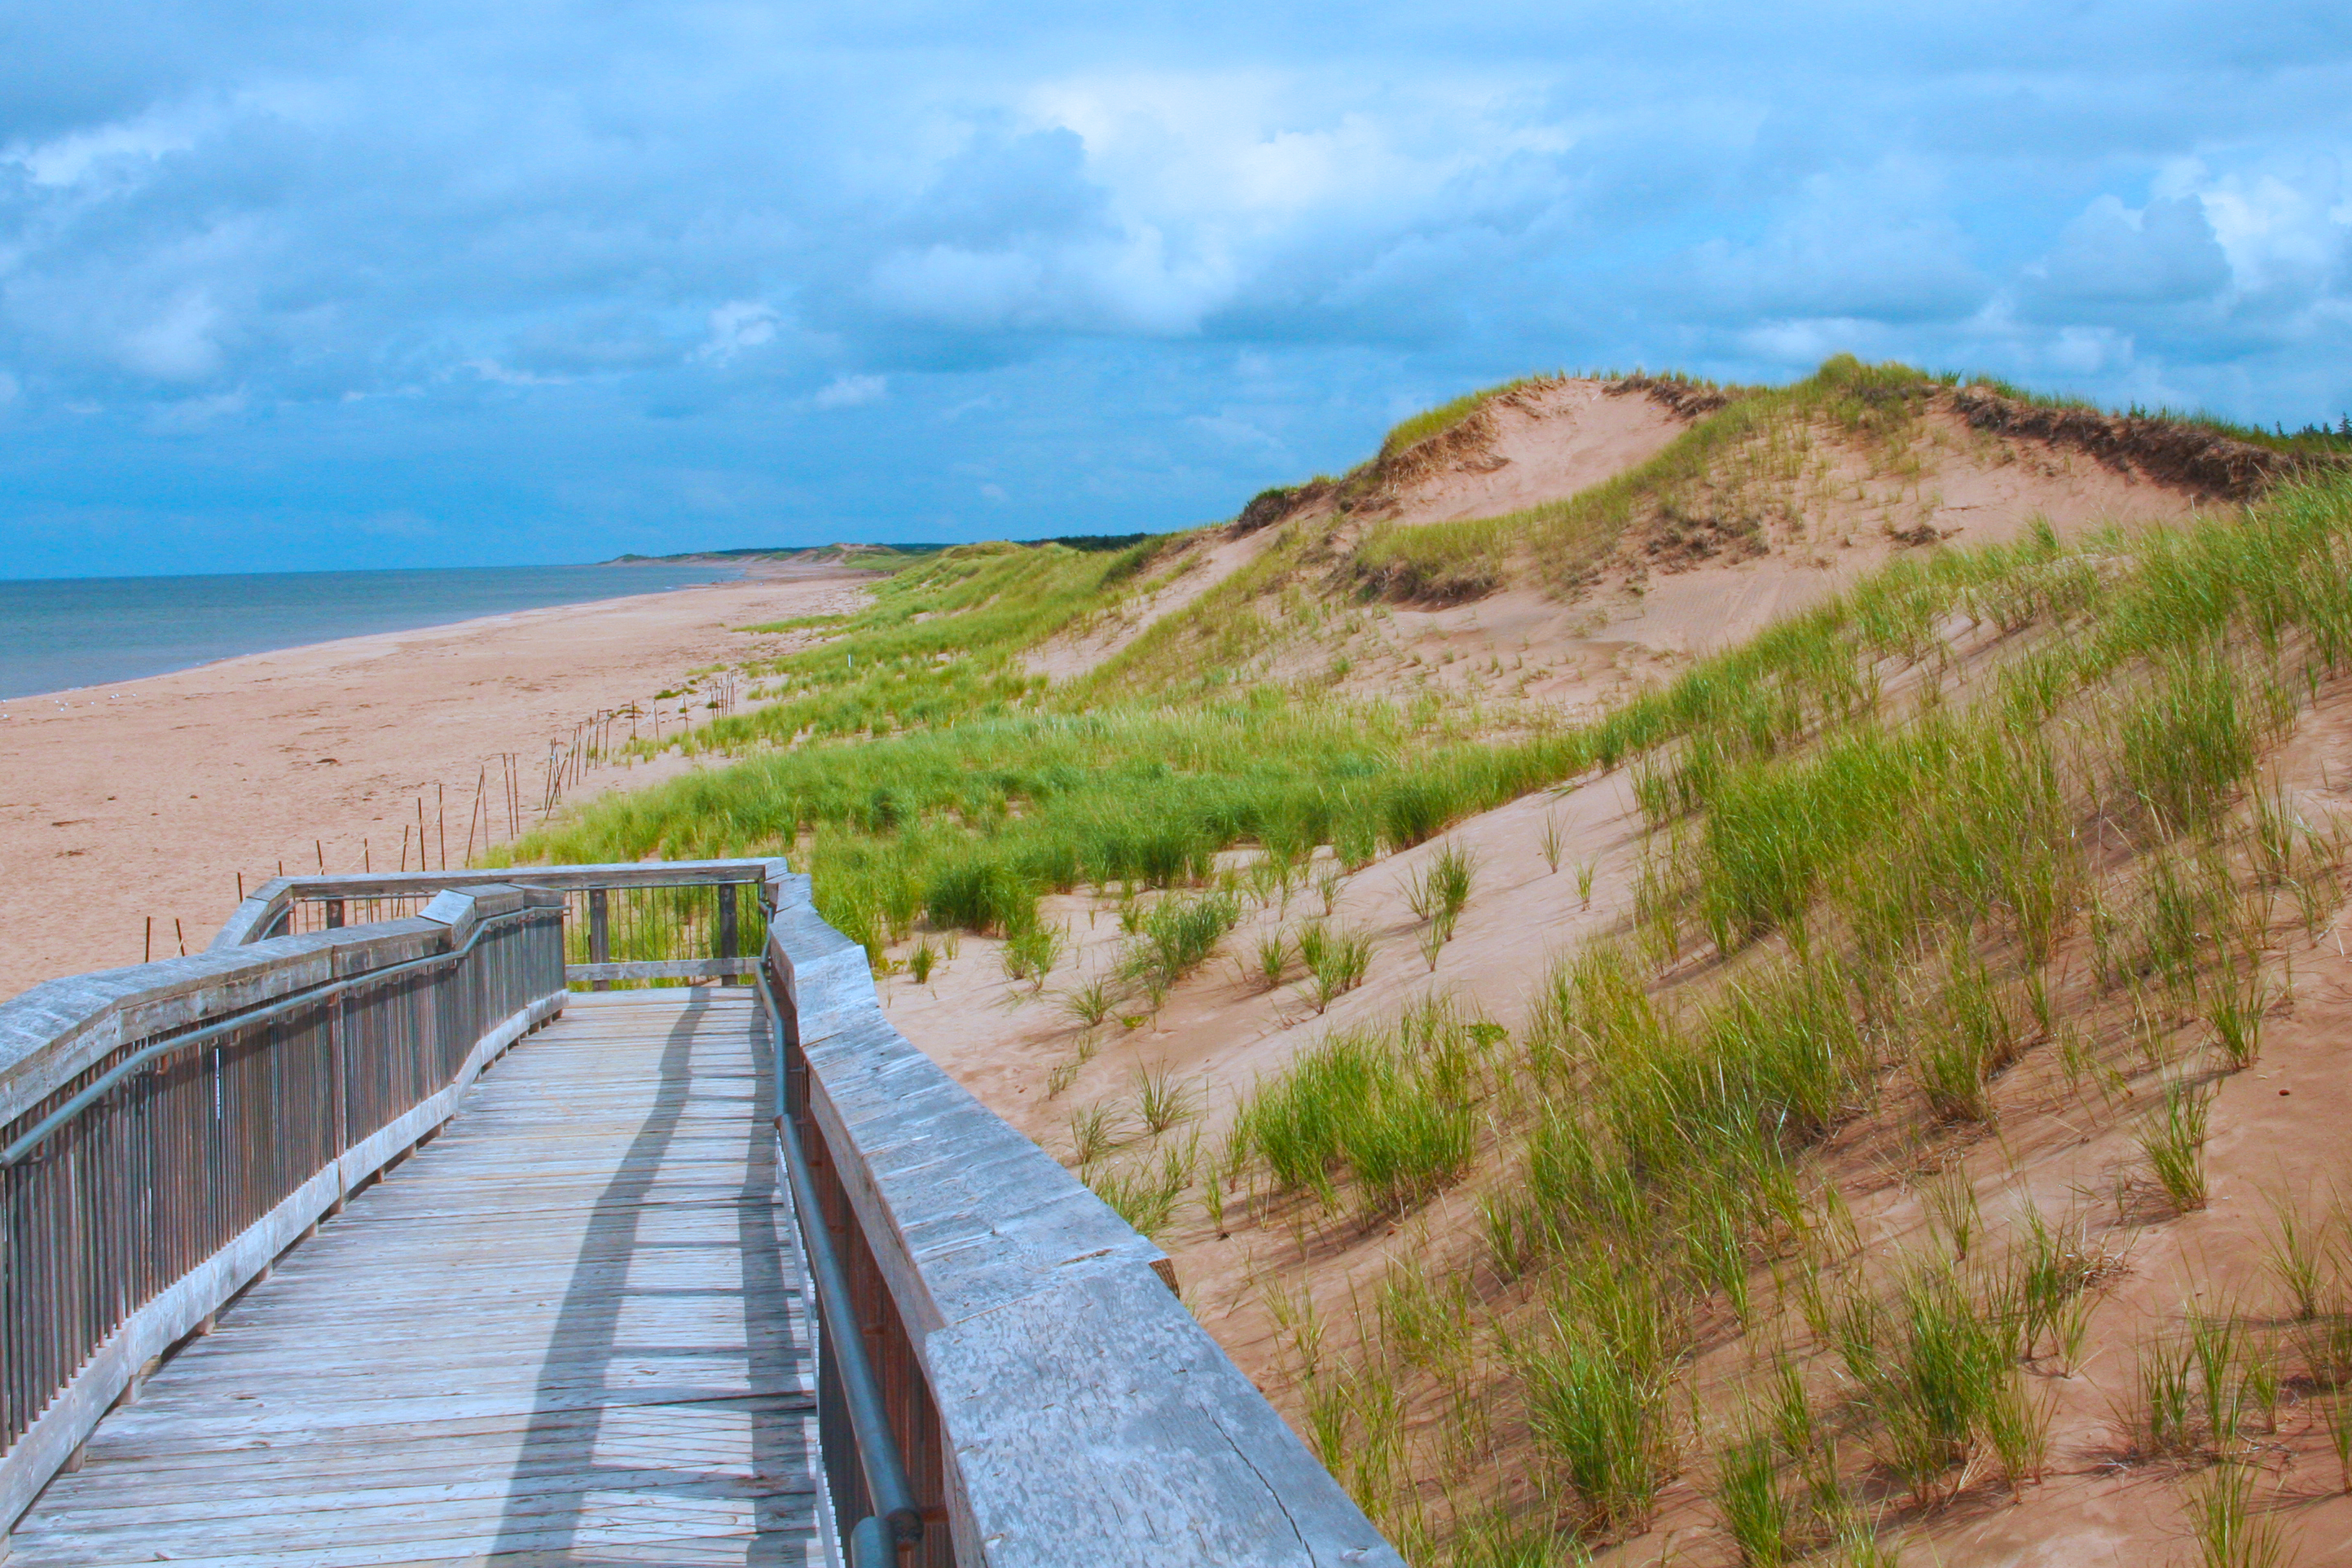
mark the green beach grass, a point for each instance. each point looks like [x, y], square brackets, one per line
[1873, 828]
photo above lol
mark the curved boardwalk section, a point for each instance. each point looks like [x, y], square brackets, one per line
[566, 1331]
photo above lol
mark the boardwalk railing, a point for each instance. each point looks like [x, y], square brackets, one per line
[1005, 1375]
[1054, 1401]
[167, 1131]
[634, 922]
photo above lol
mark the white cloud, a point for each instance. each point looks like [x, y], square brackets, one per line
[1218, 188]
[2088, 350]
[1808, 341]
[505, 375]
[1244, 152]
[2161, 254]
[1127, 286]
[2278, 229]
[76, 156]
[737, 325]
[850, 391]
[1047, 242]
[177, 345]
[1868, 244]
[197, 412]
[1240, 433]
[949, 286]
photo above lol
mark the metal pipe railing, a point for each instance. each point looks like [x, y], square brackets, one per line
[896, 1520]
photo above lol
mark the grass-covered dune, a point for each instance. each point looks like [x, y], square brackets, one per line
[1740, 463]
[1894, 862]
[1961, 895]
[1983, 851]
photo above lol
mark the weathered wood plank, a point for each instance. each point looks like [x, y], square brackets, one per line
[564, 1331]
[663, 969]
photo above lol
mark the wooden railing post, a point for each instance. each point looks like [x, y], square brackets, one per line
[339, 1079]
[600, 934]
[728, 946]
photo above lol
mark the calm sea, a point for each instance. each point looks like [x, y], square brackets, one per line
[86, 631]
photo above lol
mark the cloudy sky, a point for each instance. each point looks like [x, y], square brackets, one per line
[285, 285]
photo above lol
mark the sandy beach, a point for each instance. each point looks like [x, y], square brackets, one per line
[147, 799]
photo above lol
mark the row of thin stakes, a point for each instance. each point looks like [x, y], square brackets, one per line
[592, 743]
[426, 841]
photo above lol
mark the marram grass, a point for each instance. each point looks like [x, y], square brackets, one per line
[1914, 862]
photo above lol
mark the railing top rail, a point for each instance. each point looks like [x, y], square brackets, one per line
[254, 917]
[58, 1028]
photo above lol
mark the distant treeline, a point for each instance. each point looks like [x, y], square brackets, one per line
[1088, 542]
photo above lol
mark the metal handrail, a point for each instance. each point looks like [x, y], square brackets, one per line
[896, 1520]
[43, 1130]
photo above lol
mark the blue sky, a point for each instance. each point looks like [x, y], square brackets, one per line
[405, 284]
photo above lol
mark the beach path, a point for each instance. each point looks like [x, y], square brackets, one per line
[567, 1330]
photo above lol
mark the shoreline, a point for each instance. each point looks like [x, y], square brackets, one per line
[458, 617]
[145, 800]
[358, 640]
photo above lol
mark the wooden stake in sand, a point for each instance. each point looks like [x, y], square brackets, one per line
[180, 934]
[149, 956]
[441, 810]
[424, 861]
[403, 846]
[365, 864]
[320, 844]
[480, 779]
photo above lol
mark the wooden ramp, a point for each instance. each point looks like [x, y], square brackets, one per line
[566, 1331]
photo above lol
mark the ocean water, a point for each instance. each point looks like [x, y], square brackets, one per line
[86, 631]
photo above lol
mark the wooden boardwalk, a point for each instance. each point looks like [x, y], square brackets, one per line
[564, 1331]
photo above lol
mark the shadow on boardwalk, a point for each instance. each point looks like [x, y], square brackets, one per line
[564, 1332]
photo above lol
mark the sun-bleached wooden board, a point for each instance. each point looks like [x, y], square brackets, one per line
[567, 1331]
